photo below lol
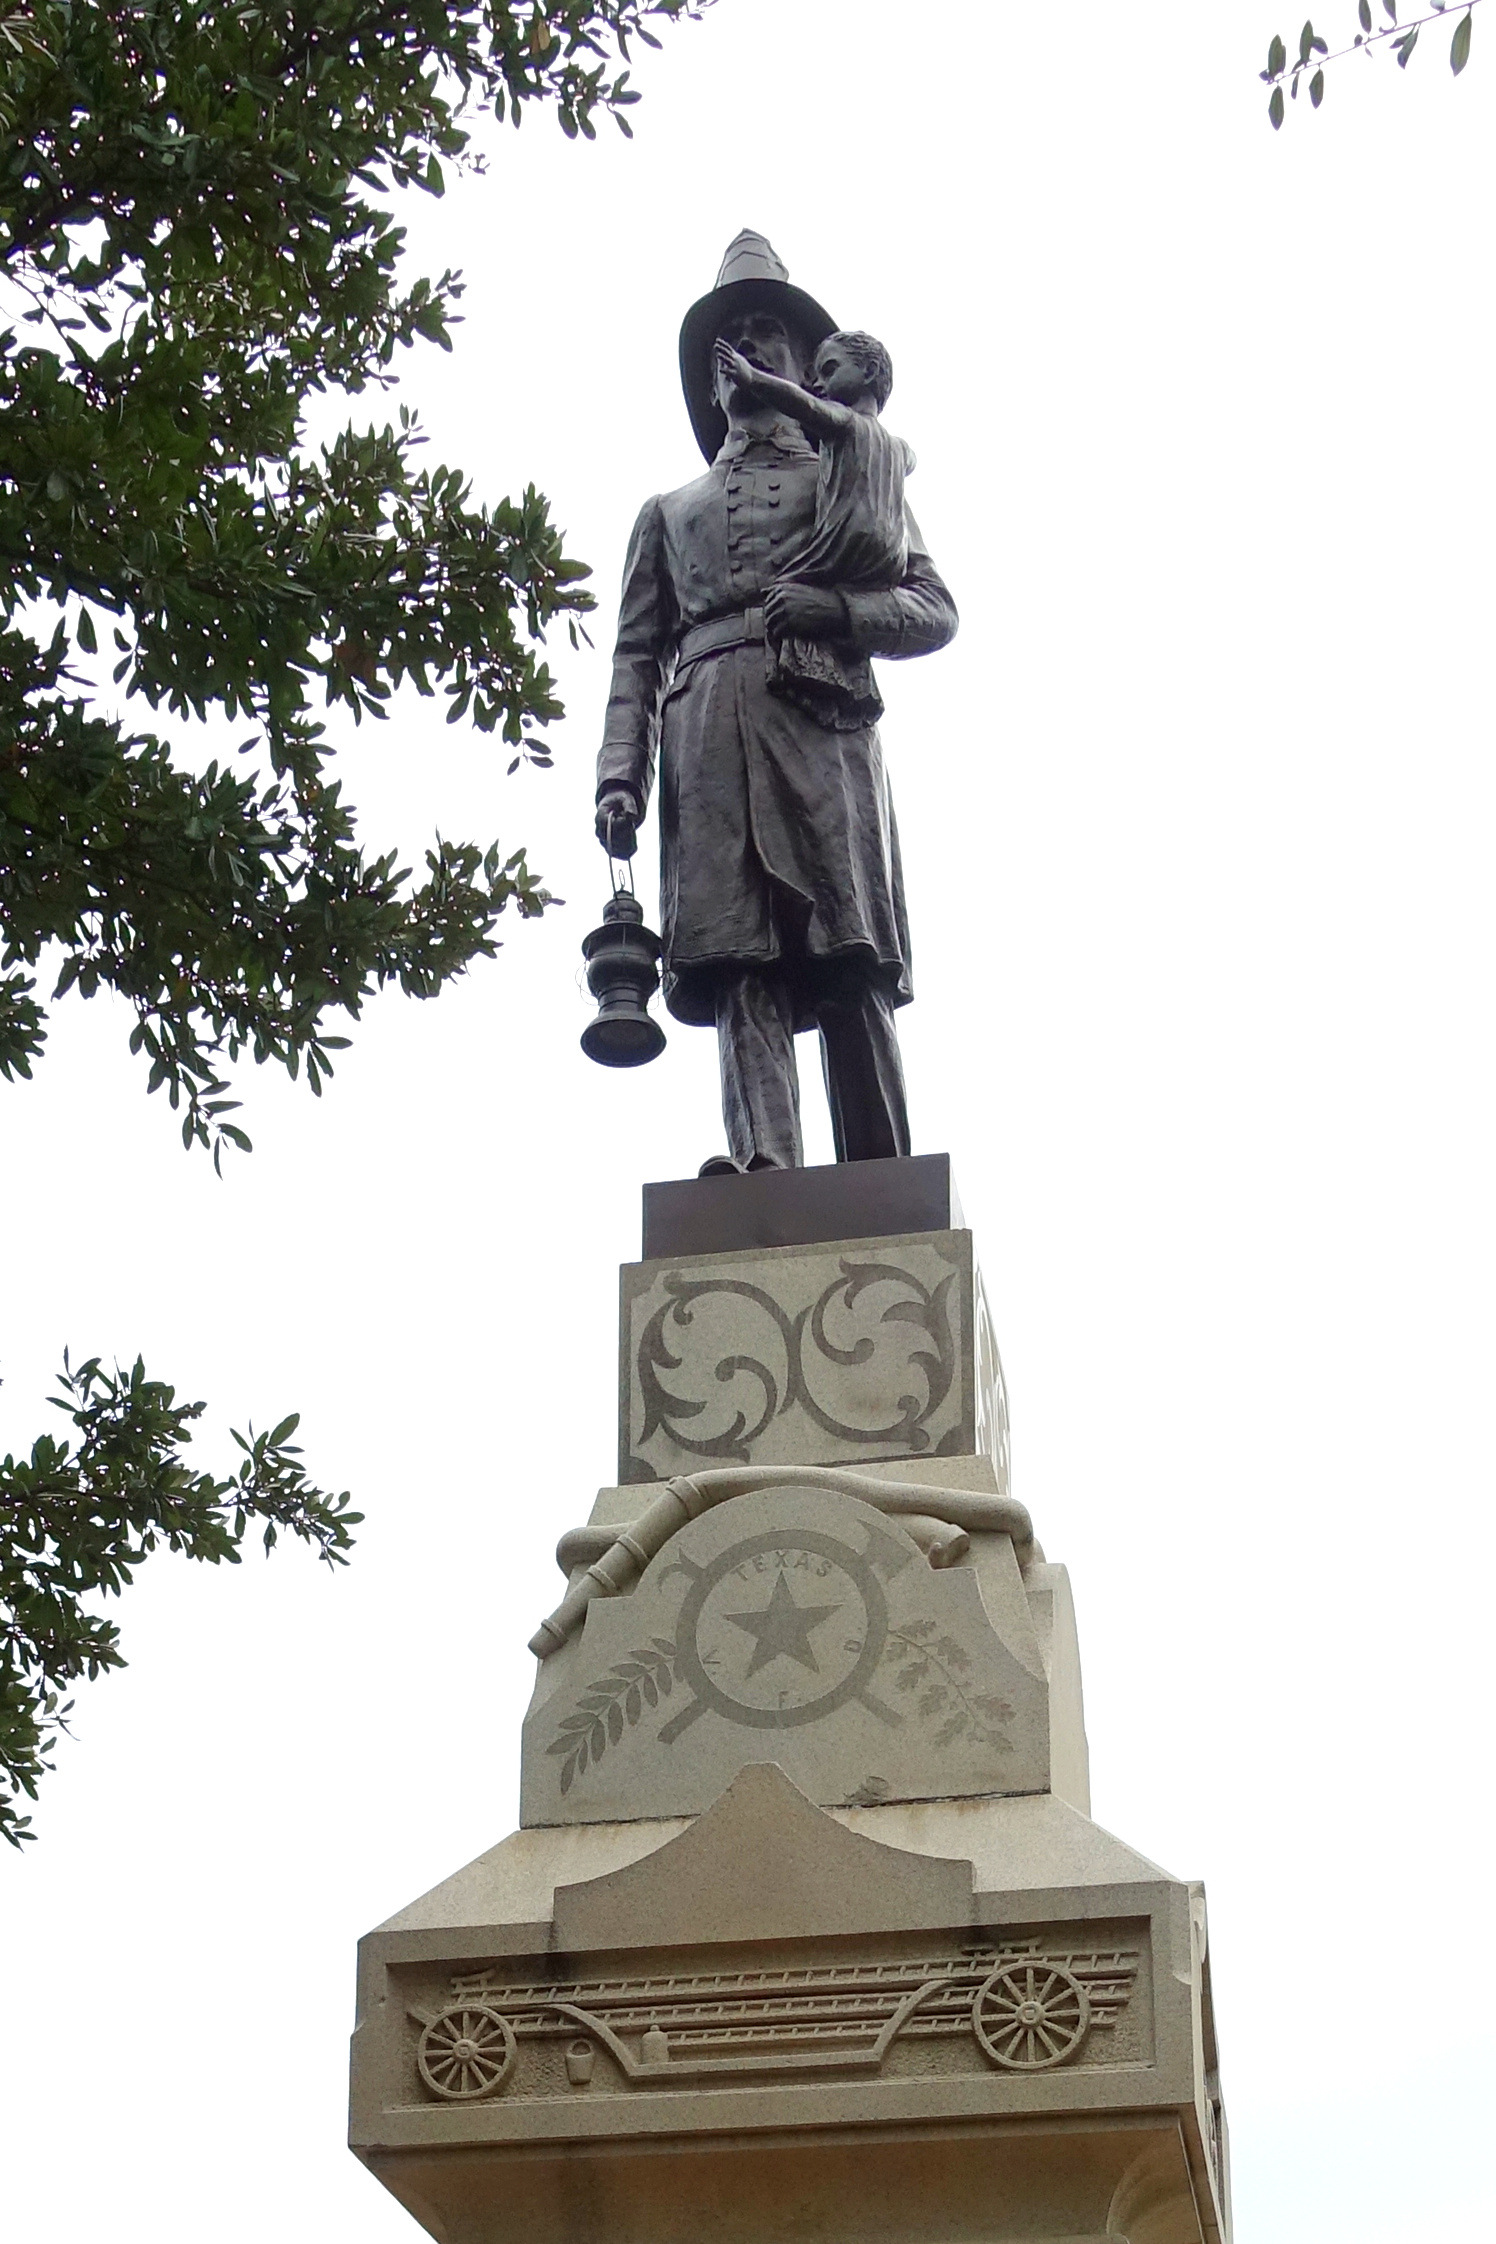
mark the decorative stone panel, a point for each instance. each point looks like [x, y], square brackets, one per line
[908, 2007]
[835, 1354]
[794, 1624]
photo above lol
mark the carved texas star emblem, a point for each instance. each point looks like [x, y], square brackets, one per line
[788, 1659]
[780, 1629]
[783, 1629]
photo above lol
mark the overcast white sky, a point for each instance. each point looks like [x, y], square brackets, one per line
[1197, 816]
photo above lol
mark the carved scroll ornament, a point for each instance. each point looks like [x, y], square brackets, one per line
[867, 1307]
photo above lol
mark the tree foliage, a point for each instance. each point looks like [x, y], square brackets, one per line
[1401, 38]
[78, 1516]
[196, 240]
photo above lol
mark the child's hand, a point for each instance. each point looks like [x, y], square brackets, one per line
[733, 364]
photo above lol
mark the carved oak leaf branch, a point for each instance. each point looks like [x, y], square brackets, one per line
[939, 1665]
[618, 1697]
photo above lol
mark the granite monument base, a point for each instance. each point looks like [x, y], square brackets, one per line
[806, 1933]
[973, 2019]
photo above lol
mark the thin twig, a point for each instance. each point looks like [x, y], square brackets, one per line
[1366, 40]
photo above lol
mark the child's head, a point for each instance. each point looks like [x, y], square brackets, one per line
[852, 367]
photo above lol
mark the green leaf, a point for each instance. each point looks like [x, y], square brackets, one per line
[250, 573]
[77, 1519]
[1317, 88]
[1363, 10]
[1459, 49]
[1275, 108]
[1277, 56]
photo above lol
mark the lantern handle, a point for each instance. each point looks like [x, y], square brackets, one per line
[623, 882]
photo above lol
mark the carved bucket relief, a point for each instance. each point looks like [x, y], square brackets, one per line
[1018, 2007]
[804, 1355]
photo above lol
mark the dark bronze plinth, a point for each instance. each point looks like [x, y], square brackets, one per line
[800, 1207]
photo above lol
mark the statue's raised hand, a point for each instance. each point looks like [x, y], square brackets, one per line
[804, 611]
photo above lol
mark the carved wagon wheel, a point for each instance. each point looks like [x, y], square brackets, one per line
[467, 2051]
[1029, 2015]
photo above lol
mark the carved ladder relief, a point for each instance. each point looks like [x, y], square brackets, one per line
[1021, 2008]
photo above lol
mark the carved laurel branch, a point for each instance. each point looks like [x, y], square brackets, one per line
[929, 1312]
[939, 1665]
[618, 1697]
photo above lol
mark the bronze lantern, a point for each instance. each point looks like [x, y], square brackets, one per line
[623, 973]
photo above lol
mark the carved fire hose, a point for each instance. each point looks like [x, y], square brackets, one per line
[942, 1544]
[923, 1511]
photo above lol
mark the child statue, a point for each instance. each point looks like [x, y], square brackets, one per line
[861, 538]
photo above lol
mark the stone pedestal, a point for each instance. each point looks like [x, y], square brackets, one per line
[806, 1931]
[826, 1316]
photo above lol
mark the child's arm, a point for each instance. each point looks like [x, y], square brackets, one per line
[818, 416]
